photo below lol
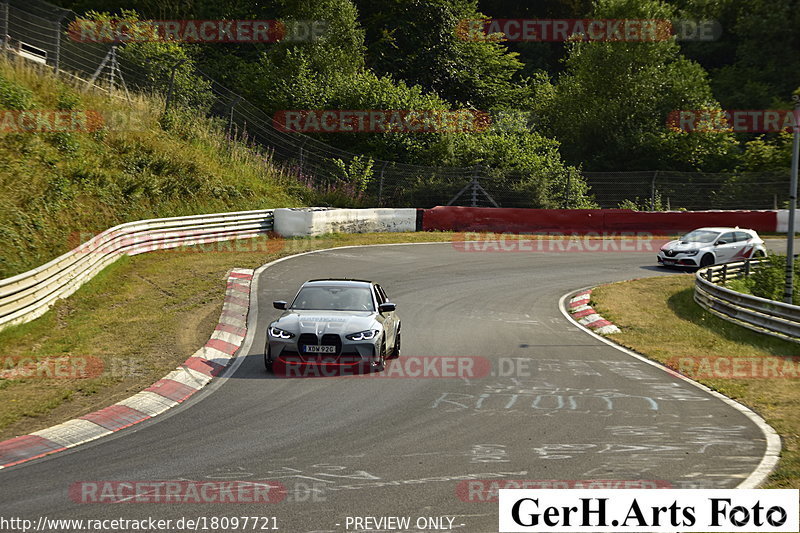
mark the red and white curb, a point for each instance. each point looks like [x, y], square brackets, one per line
[581, 311]
[173, 389]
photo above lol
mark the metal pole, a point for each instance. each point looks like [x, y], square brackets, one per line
[380, 184]
[475, 186]
[789, 290]
[653, 191]
[57, 63]
[171, 84]
[112, 71]
[230, 116]
[4, 24]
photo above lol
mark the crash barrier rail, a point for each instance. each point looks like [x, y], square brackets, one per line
[758, 314]
[27, 296]
[454, 218]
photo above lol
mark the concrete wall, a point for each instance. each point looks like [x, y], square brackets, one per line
[319, 220]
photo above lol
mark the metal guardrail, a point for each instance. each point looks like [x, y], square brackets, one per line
[27, 296]
[758, 314]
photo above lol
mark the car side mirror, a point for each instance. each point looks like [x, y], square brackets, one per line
[387, 307]
[279, 304]
[721, 242]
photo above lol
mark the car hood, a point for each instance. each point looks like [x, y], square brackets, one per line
[322, 322]
[680, 246]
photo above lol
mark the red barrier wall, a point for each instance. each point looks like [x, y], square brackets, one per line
[588, 220]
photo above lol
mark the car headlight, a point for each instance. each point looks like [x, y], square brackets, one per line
[363, 335]
[279, 333]
[690, 252]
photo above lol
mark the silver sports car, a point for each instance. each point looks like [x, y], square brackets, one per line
[339, 323]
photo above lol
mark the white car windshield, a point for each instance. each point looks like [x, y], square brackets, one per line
[700, 236]
[334, 299]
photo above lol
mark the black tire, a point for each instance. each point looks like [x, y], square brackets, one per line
[381, 365]
[706, 260]
[759, 254]
[396, 348]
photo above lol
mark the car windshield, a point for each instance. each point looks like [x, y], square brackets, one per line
[700, 235]
[334, 299]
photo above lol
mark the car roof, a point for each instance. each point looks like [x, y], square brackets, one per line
[341, 282]
[721, 229]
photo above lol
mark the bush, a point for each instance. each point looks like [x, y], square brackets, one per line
[769, 279]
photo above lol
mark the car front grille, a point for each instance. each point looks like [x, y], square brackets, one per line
[333, 339]
[670, 253]
[309, 339]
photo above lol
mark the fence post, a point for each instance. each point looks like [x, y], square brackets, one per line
[653, 191]
[725, 273]
[230, 116]
[380, 184]
[171, 84]
[4, 25]
[57, 63]
[747, 268]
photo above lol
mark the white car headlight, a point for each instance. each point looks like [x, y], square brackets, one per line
[279, 333]
[363, 335]
[690, 252]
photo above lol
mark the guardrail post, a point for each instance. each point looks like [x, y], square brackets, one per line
[747, 268]
[724, 273]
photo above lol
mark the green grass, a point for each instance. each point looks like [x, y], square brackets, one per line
[672, 325]
[54, 186]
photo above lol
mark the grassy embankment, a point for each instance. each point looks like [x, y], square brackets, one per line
[57, 186]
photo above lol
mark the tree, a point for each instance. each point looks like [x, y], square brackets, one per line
[609, 108]
[417, 41]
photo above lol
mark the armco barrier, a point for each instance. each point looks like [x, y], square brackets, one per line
[512, 220]
[29, 295]
[589, 220]
[759, 314]
[26, 296]
[312, 221]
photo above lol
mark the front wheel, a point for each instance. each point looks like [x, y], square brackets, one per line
[380, 364]
[707, 260]
[396, 347]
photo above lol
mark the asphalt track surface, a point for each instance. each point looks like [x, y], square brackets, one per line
[561, 405]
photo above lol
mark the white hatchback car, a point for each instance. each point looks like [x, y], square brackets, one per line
[709, 246]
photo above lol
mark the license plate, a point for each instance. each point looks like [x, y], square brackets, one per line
[320, 349]
[669, 261]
